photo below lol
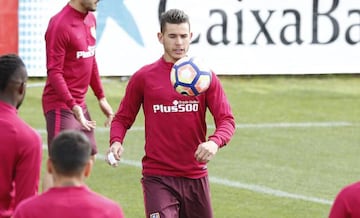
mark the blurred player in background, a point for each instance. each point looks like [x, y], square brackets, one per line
[347, 202]
[20, 146]
[71, 69]
[175, 177]
[69, 163]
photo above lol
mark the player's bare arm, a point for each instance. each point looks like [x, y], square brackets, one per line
[107, 110]
[206, 151]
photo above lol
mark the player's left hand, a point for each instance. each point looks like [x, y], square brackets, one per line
[107, 110]
[206, 151]
[79, 115]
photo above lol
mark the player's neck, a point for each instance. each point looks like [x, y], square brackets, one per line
[7, 100]
[68, 181]
[78, 7]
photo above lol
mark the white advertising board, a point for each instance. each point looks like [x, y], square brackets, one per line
[235, 37]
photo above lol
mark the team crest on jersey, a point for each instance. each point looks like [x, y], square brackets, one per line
[155, 215]
[93, 31]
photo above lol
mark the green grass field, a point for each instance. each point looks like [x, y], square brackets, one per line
[296, 144]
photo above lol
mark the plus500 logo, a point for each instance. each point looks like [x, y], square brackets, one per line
[178, 106]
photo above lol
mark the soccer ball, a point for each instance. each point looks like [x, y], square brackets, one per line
[190, 77]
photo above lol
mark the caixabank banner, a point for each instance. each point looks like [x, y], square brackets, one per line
[234, 37]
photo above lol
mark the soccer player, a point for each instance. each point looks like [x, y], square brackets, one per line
[69, 163]
[20, 146]
[71, 69]
[175, 177]
[347, 202]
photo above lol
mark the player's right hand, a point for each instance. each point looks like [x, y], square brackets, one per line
[79, 115]
[116, 149]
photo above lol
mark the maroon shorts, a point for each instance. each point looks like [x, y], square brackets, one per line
[166, 196]
[61, 119]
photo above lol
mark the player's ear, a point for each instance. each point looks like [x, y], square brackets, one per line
[160, 37]
[88, 167]
[49, 166]
[21, 88]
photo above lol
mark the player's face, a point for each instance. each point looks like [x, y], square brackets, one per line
[176, 40]
[89, 5]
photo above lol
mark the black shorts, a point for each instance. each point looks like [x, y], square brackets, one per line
[167, 196]
[61, 119]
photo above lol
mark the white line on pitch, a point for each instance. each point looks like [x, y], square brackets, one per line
[266, 190]
[256, 126]
[251, 187]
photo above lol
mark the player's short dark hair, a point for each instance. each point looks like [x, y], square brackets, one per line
[9, 64]
[173, 16]
[69, 152]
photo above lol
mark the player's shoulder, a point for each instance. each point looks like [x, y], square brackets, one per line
[15, 124]
[150, 67]
[103, 201]
[60, 19]
[352, 189]
[353, 186]
[27, 205]
[143, 71]
[25, 133]
[56, 25]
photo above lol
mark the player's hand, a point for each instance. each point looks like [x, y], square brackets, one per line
[107, 110]
[206, 151]
[116, 149]
[79, 115]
